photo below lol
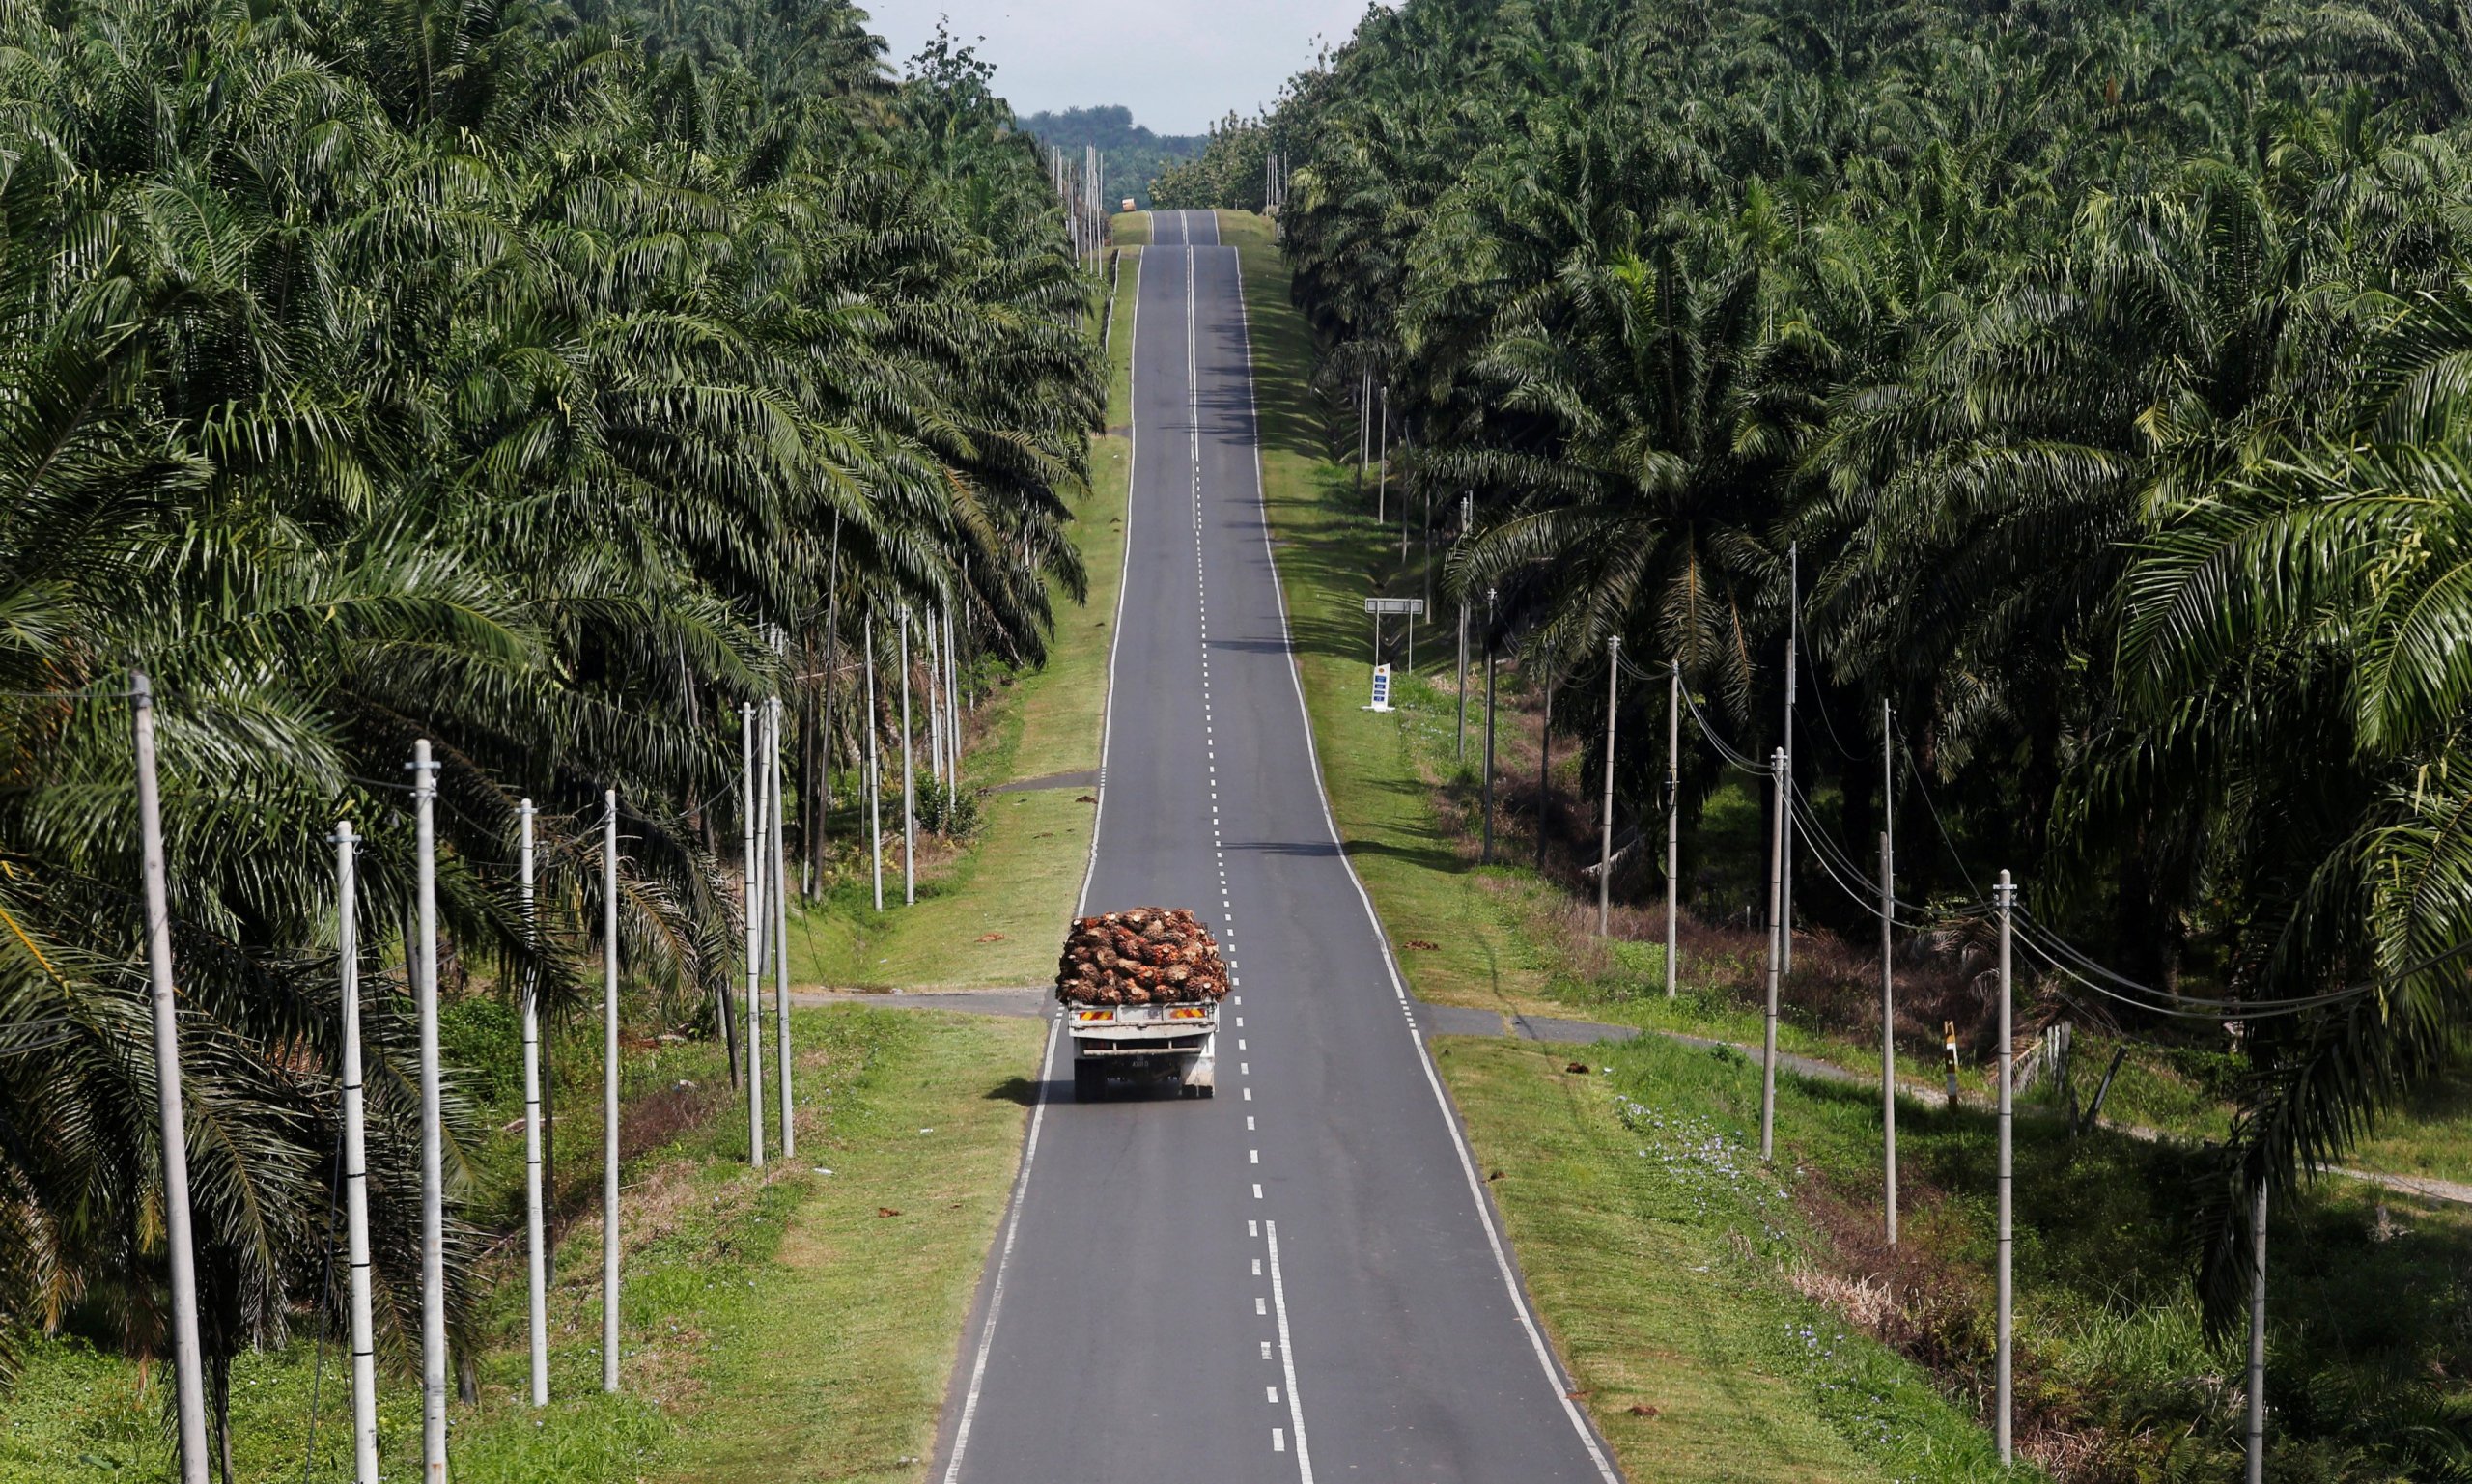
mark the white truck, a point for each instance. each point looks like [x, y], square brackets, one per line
[1143, 1043]
[1141, 991]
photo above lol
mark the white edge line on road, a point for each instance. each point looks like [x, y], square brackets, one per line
[1287, 1355]
[1124, 571]
[1089, 870]
[1449, 1118]
[1004, 1261]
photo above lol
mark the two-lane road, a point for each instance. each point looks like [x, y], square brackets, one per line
[1300, 1278]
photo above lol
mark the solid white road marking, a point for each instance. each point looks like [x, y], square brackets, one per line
[1288, 1359]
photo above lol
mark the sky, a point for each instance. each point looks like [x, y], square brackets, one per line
[1177, 63]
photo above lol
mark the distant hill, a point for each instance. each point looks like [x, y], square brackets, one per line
[1133, 153]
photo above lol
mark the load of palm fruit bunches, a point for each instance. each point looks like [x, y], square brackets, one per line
[1148, 955]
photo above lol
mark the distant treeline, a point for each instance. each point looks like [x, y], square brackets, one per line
[1134, 155]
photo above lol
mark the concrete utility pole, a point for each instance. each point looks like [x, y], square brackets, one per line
[1888, 968]
[535, 1246]
[752, 809]
[1605, 841]
[952, 693]
[364, 1354]
[934, 699]
[1672, 829]
[1488, 856]
[781, 938]
[1364, 423]
[1467, 505]
[1793, 666]
[1381, 466]
[1776, 932]
[2003, 1378]
[610, 1090]
[875, 775]
[908, 792]
[364, 1375]
[2258, 1340]
[188, 1356]
[433, 1184]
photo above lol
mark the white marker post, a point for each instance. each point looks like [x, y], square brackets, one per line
[364, 1358]
[188, 1356]
[536, 1246]
[433, 1179]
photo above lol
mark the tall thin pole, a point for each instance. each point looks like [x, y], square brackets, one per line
[875, 775]
[610, 1090]
[1407, 444]
[935, 722]
[364, 1349]
[536, 1248]
[820, 808]
[1672, 829]
[1467, 503]
[2257, 1339]
[187, 1355]
[432, 1186]
[1776, 932]
[751, 795]
[909, 794]
[1793, 666]
[2002, 1376]
[1605, 842]
[1382, 465]
[1888, 969]
[1363, 424]
[952, 700]
[1888, 1038]
[780, 939]
[1488, 858]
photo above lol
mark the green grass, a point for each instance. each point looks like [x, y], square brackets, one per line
[1652, 1245]
[773, 1325]
[1020, 879]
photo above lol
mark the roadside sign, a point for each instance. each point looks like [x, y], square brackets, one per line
[1381, 688]
[1414, 608]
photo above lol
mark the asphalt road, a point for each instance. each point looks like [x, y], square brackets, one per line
[1300, 1278]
